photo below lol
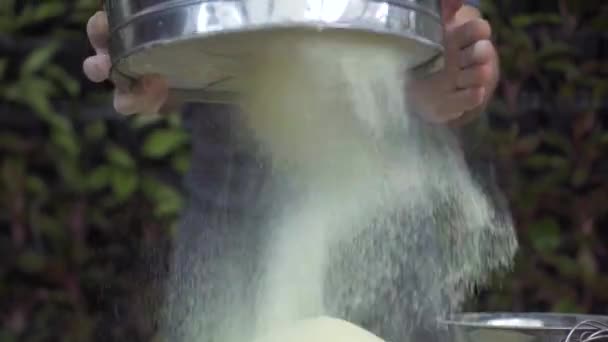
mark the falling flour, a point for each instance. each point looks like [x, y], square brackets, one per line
[377, 219]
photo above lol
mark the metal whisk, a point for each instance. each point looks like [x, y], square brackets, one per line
[593, 331]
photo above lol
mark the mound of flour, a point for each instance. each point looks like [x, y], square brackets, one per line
[320, 329]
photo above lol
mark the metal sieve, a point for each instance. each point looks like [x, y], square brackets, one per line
[527, 327]
[200, 45]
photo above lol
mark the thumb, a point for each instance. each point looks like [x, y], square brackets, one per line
[449, 9]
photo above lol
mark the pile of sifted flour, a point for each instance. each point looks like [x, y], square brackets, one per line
[320, 329]
[376, 219]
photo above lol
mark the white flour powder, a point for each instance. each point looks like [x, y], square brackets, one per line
[379, 221]
[385, 222]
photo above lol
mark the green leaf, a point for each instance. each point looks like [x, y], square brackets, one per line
[567, 266]
[142, 121]
[161, 143]
[521, 40]
[72, 176]
[543, 162]
[99, 178]
[580, 176]
[89, 5]
[167, 200]
[82, 10]
[600, 90]
[169, 204]
[555, 140]
[52, 229]
[37, 186]
[34, 92]
[67, 141]
[124, 183]
[603, 140]
[525, 20]
[95, 131]
[600, 23]
[175, 120]
[7, 336]
[563, 66]
[25, 17]
[119, 157]
[48, 10]
[12, 142]
[566, 305]
[7, 8]
[38, 59]
[181, 162]
[56, 121]
[553, 49]
[71, 86]
[545, 235]
[13, 170]
[31, 262]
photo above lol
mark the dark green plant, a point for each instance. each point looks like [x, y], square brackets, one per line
[549, 130]
[87, 202]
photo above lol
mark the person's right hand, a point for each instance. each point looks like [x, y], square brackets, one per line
[449, 8]
[148, 95]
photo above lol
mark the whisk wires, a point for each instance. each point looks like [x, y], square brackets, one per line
[594, 331]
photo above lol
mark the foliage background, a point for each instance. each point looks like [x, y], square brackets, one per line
[87, 197]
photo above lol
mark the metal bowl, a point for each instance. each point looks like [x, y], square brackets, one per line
[201, 44]
[519, 327]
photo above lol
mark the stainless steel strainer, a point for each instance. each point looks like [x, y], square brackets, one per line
[527, 327]
[200, 45]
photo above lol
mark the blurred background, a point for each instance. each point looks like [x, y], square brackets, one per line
[89, 199]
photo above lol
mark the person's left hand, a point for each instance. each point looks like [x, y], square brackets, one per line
[466, 83]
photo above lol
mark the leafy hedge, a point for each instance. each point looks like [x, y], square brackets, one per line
[87, 196]
[551, 141]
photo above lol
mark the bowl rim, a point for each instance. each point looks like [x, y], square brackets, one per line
[459, 320]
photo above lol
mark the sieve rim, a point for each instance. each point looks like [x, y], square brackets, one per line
[482, 320]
